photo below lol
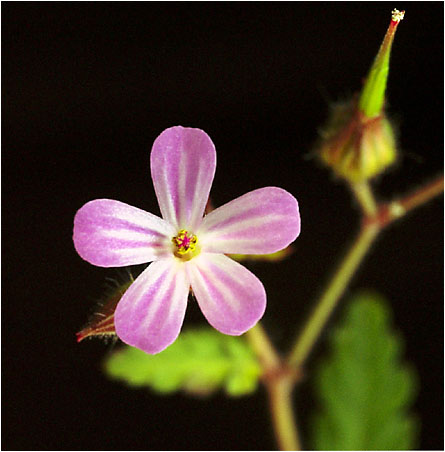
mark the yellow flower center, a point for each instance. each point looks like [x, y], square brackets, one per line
[185, 245]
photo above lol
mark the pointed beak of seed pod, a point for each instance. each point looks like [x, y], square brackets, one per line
[372, 97]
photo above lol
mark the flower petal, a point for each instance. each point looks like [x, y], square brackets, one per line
[260, 222]
[111, 233]
[150, 314]
[183, 162]
[231, 297]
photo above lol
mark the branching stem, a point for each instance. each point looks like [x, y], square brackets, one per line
[280, 376]
[279, 382]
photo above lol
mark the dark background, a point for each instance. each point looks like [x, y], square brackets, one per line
[87, 87]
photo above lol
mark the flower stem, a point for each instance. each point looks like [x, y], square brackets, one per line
[280, 399]
[279, 383]
[331, 296]
[365, 198]
[263, 348]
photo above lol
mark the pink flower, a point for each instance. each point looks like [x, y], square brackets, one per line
[187, 250]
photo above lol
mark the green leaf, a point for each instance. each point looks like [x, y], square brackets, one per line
[199, 362]
[364, 391]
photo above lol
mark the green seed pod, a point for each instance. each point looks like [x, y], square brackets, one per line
[358, 142]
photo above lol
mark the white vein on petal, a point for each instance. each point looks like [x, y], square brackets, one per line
[228, 295]
[182, 184]
[248, 223]
[165, 196]
[156, 301]
[136, 217]
[143, 254]
[181, 283]
[225, 212]
[125, 234]
[198, 201]
[156, 271]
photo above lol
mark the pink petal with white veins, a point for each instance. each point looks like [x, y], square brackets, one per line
[150, 314]
[231, 297]
[183, 162]
[260, 222]
[111, 233]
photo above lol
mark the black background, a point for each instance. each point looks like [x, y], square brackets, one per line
[87, 87]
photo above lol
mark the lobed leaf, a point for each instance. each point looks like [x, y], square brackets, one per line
[199, 362]
[363, 388]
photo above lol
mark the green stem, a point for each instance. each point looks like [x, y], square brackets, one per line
[279, 383]
[376, 217]
[280, 399]
[263, 348]
[331, 296]
[415, 199]
[364, 196]
[278, 378]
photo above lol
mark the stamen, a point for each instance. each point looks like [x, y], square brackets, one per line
[185, 242]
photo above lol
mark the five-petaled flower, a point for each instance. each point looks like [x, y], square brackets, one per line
[186, 249]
